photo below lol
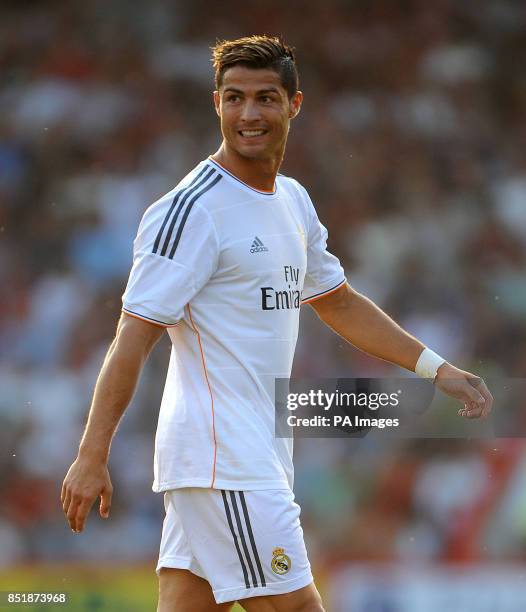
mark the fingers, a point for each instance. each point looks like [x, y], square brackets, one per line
[82, 511]
[487, 396]
[77, 511]
[105, 502]
[77, 506]
[67, 499]
[71, 512]
[473, 390]
[471, 411]
[84, 482]
[68, 505]
[480, 400]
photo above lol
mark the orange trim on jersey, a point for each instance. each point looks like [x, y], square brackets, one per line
[210, 391]
[155, 323]
[317, 297]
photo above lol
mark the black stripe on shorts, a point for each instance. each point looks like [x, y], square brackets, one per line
[240, 536]
[236, 543]
[251, 537]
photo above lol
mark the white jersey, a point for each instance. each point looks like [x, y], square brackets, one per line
[225, 268]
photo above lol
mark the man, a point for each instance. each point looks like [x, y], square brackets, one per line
[223, 262]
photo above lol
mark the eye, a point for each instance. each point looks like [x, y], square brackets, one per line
[266, 99]
[232, 98]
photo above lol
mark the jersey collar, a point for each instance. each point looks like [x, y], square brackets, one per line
[246, 185]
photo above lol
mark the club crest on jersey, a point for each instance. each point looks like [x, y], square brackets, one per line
[258, 246]
[280, 563]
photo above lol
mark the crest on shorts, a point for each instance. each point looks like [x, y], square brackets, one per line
[280, 563]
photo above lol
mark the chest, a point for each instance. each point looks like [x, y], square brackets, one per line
[264, 243]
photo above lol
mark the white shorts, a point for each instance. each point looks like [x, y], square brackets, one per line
[244, 543]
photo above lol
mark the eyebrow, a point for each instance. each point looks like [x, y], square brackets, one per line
[259, 92]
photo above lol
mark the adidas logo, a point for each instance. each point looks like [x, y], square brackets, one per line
[258, 246]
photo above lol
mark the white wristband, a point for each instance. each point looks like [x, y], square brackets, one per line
[428, 364]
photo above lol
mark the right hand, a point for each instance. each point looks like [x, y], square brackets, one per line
[84, 482]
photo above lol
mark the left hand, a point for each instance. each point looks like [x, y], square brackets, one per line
[471, 390]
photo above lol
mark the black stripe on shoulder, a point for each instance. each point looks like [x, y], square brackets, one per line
[188, 209]
[168, 214]
[188, 193]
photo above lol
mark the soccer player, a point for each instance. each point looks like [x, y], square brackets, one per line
[223, 263]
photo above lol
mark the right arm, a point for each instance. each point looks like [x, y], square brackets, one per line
[88, 476]
[160, 284]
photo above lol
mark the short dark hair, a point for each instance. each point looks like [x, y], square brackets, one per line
[258, 51]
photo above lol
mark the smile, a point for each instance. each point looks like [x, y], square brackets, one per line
[252, 133]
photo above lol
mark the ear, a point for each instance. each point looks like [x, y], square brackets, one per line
[217, 101]
[295, 104]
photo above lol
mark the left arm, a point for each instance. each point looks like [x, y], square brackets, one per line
[359, 321]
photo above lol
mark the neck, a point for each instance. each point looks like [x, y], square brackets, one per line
[258, 173]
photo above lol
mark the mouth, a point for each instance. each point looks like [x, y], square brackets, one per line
[252, 133]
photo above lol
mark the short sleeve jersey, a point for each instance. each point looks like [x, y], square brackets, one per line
[225, 268]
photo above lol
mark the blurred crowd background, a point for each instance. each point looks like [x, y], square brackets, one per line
[411, 142]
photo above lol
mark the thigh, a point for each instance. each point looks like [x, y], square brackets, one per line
[306, 599]
[182, 591]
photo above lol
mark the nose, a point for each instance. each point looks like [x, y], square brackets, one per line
[250, 111]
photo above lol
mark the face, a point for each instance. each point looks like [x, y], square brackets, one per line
[255, 112]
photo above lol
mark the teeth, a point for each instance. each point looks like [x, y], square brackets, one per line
[252, 133]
